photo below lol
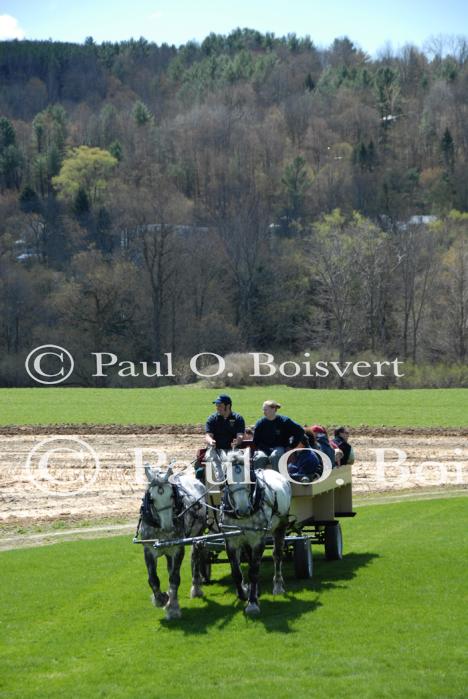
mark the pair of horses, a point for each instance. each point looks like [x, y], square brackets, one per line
[174, 507]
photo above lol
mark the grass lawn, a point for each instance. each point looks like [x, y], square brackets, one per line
[387, 621]
[192, 404]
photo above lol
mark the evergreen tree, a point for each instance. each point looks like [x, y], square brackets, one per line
[29, 201]
[309, 83]
[7, 133]
[115, 149]
[296, 182]
[81, 203]
[448, 150]
[141, 114]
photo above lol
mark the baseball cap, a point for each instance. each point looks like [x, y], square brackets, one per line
[272, 404]
[318, 429]
[223, 398]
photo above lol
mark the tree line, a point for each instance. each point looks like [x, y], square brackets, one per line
[250, 192]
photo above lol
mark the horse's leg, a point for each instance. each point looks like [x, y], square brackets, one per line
[196, 589]
[234, 560]
[253, 607]
[173, 568]
[278, 582]
[158, 598]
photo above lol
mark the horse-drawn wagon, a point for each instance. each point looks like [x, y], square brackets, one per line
[240, 511]
[313, 519]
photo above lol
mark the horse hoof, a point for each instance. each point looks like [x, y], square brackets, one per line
[172, 613]
[160, 601]
[196, 592]
[278, 589]
[252, 609]
[243, 593]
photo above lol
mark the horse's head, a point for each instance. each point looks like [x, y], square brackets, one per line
[238, 486]
[162, 497]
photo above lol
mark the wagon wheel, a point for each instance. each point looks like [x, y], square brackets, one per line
[333, 542]
[303, 562]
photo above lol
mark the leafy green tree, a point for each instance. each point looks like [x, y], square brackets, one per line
[85, 168]
[50, 129]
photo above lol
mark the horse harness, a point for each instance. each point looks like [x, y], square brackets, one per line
[256, 497]
[148, 511]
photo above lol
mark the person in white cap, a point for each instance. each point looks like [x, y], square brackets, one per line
[273, 435]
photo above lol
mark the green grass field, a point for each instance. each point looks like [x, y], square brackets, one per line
[192, 404]
[386, 621]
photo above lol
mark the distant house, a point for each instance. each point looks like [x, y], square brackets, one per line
[418, 220]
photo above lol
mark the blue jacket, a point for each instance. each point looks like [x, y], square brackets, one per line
[225, 429]
[306, 463]
[325, 446]
[280, 432]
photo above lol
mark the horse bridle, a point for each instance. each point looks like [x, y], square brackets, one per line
[177, 503]
[228, 491]
[150, 513]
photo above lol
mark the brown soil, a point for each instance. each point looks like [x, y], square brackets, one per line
[117, 490]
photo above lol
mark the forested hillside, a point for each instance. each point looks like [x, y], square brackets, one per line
[246, 193]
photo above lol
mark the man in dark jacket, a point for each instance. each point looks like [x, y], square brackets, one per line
[224, 430]
[273, 435]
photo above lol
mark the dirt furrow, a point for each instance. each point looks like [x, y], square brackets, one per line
[67, 485]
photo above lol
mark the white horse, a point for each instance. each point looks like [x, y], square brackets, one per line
[173, 507]
[260, 509]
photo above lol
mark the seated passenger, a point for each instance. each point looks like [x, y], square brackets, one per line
[323, 442]
[305, 466]
[341, 443]
[273, 435]
[248, 434]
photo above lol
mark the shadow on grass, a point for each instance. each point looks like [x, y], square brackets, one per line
[326, 574]
[277, 614]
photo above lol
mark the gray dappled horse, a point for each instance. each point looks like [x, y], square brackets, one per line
[260, 509]
[173, 507]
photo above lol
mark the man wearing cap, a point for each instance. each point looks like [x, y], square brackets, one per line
[274, 434]
[224, 428]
